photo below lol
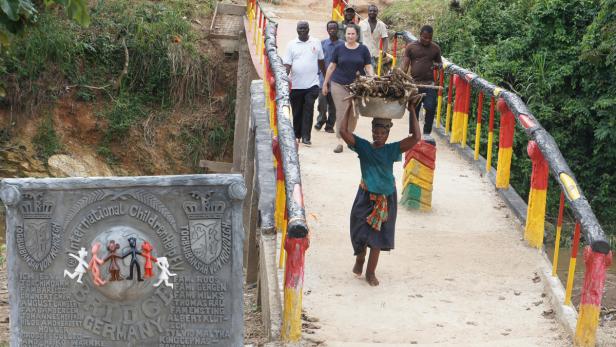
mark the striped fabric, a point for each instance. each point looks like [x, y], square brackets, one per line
[380, 213]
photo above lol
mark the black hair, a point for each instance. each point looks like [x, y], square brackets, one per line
[426, 29]
[354, 26]
[331, 22]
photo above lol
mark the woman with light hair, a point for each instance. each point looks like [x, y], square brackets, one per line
[347, 61]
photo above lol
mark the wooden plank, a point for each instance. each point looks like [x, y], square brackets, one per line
[216, 166]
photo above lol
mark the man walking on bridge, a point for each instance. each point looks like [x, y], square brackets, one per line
[326, 107]
[421, 56]
[349, 18]
[303, 60]
[372, 31]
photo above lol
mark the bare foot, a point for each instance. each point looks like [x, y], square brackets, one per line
[358, 268]
[371, 278]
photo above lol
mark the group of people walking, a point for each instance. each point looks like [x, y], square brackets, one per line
[323, 70]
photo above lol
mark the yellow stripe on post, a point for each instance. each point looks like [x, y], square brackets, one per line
[570, 276]
[587, 324]
[291, 324]
[503, 167]
[477, 141]
[464, 129]
[559, 227]
[439, 107]
[535, 218]
[489, 152]
[448, 118]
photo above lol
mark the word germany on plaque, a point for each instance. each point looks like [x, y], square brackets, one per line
[135, 261]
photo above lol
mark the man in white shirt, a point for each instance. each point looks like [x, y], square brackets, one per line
[372, 31]
[303, 60]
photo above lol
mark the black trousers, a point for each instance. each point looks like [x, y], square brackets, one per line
[302, 105]
[429, 104]
[327, 111]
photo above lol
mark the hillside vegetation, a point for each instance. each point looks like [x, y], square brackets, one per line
[559, 56]
[141, 86]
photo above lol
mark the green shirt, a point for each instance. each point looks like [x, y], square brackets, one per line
[377, 165]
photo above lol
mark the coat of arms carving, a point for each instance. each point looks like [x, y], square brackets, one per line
[38, 238]
[206, 241]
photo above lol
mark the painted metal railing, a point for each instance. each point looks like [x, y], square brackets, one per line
[289, 213]
[546, 157]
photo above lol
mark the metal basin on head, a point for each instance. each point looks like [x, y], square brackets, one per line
[381, 108]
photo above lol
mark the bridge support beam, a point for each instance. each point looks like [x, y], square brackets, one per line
[592, 291]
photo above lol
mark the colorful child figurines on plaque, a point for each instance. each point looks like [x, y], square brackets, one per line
[114, 268]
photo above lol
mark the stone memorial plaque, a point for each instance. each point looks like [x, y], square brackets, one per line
[135, 261]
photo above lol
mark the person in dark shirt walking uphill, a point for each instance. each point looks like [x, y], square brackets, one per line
[327, 108]
[422, 56]
[348, 60]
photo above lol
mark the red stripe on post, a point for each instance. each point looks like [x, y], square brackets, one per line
[594, 279]
[539, 176]
[479, 107]
[507, 125]
[491, 122]
[467, 98]
[576, 241]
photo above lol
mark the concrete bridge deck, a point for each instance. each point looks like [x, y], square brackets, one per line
[460, 275]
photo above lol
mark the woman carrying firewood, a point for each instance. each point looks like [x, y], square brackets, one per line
[373, 215]
[347, 60]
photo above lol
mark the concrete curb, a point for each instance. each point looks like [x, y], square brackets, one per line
[567, 315]
[269, 294]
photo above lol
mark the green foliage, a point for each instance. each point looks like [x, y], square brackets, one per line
[560, 57]
[168, 66]
[16, 14]
[46, 141]
[123, 113]
[411, 15]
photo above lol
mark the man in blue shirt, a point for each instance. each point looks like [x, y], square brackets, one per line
[327, 109]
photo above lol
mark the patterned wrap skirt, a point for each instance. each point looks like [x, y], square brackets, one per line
[362, 234]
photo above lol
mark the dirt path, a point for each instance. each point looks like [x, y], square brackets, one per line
[459, 274]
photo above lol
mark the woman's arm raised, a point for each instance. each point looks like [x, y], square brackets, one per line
[415, 135]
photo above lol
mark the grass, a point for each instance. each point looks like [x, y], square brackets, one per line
[411, 15]
[46, 141]
[137, 58]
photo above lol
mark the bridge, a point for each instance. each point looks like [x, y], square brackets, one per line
[470, 271]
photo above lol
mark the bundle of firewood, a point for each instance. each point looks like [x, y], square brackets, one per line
[397, 86]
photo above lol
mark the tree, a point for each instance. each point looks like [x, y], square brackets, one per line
[15, 14]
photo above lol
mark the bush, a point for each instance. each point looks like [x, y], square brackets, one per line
[560, 57]
[46, 141]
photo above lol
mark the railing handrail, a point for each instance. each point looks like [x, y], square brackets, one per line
[548, 147]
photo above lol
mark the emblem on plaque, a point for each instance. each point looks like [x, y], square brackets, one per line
[207, 239]
[38, 238]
